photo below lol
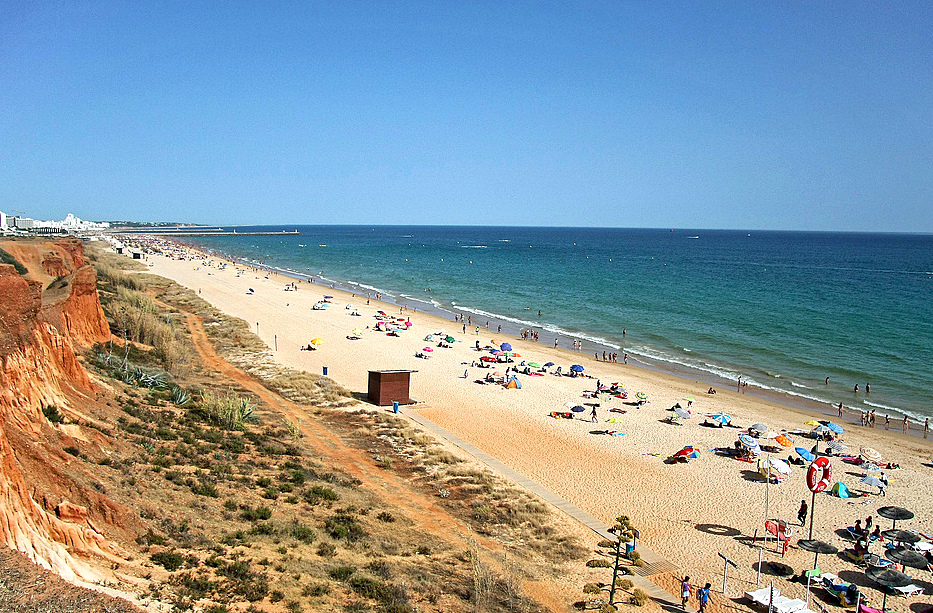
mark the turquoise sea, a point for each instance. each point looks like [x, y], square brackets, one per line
[784, 310]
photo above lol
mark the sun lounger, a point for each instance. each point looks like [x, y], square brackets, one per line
[908, 590]
[781, 604]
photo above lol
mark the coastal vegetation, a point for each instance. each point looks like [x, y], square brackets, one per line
[272, 493]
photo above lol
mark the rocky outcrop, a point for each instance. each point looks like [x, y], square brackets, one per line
[38, 367]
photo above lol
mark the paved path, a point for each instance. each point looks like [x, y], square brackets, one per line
[654, 563]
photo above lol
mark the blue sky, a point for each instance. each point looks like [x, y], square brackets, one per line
[777, 115]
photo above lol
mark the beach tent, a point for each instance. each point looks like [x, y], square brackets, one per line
[513, 384]
[840, 490]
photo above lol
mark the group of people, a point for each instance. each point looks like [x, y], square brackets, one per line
[609, 357]
[702, 594]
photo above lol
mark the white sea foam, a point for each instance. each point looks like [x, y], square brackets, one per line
[473, 247]
[407, 297]
[544, 326]
[799, 385]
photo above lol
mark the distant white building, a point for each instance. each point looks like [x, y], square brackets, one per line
[2, 220]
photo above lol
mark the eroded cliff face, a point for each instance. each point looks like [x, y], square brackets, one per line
[39, 367]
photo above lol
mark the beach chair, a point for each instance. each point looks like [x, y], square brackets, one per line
[908, 590]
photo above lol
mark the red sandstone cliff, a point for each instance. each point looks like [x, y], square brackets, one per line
[38, 366]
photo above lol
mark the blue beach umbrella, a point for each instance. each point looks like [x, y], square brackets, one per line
[835, 427]
[748, 441]
[803, 453]
[722, 418]
[505, 347]
[549, 363]
[576, 368]
[578, 409]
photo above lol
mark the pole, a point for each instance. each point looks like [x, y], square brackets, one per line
[810, 576]
[725, 571]
[771, 598]
[615, 568]
[275, 339]
[767, 488]
[758, 580]
[812, 512]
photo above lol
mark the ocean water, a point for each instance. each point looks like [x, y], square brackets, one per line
[784, 310]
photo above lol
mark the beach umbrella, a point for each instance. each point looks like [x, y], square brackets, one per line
[428, 349]
[495, 352]
[408, 324]
[779, 465]
[770, 434]
[748, 441]
[356, 332]
[487, 358]
[349, 306]
[820, 430]
[505, 347]
[641, 396]
[689, 399]
[908, 557]
[317, 341]
[758, 428]
[722, 418]
[888, 577]
[689, 452]
[895, 514]
[548, 364]
[869, 454]
[429, 337]
[803, 453]
[534, 364]
[577, 368]
[817, 547]
[328, 297]
[901, 536]
[450, 339]
[812, 422]
[836, 446]
[681, 412]
[578, 409]
[834, 427]
[872, 481]
[515, 355]
[783, 441]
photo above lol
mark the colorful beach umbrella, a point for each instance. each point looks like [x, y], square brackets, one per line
[690, 452]
[450, 339]
[783, 441]
[641, 396]
[748, 441]
[834, 427]
[534, 364]
[805, 454]
[577, 368]
[317, 341]
[812, 422]
[505, 347]
[722, 418]
[356, 332]
[428, 349]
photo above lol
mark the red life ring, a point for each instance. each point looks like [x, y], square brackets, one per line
[820, 474]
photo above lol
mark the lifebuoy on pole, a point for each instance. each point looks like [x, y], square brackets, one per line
[820, 474]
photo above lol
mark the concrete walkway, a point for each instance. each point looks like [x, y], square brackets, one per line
[654, 564]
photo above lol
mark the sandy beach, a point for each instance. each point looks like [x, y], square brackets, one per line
[674, 505]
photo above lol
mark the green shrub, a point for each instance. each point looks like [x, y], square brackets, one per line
[599, 564]
[313, 590]
[343, 525]
[300, 532]
[52, 414]
[6, 258]
[341, 573]
[327, 550]
[169, 560]
[72, 450]
[640, 597]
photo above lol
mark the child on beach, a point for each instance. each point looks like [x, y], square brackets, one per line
[684, 591]
[703, 596]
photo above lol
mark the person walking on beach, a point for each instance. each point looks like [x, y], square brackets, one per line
[906, 424]
[887, 422]
[703, 596]
[926, 427]
[802, 512]
[840, 410]
[625, 358]
[684, 592]
[593, 417]
[555, 343]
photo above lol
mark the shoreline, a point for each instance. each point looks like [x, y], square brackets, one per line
[817, 408]
[577, 460]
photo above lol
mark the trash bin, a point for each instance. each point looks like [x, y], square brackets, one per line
[629, 548]
[395, 407]
[325, 371]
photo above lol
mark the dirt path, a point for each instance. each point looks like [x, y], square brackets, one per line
[422, 510]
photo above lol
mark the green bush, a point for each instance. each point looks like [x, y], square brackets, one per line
[52, 414]
[169, 560]
[599, 564]
[342, 573]
[640, 597]
[72, 450]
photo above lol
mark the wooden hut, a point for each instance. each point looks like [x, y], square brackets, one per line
[388, 386]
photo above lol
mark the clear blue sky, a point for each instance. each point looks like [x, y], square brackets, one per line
[772, 115]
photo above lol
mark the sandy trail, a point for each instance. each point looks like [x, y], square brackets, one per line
[606, 476]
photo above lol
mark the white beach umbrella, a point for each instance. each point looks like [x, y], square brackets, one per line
[779, 465]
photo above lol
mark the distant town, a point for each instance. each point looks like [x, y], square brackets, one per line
[17, 225]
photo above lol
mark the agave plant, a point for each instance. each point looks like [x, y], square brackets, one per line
[180, 396]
